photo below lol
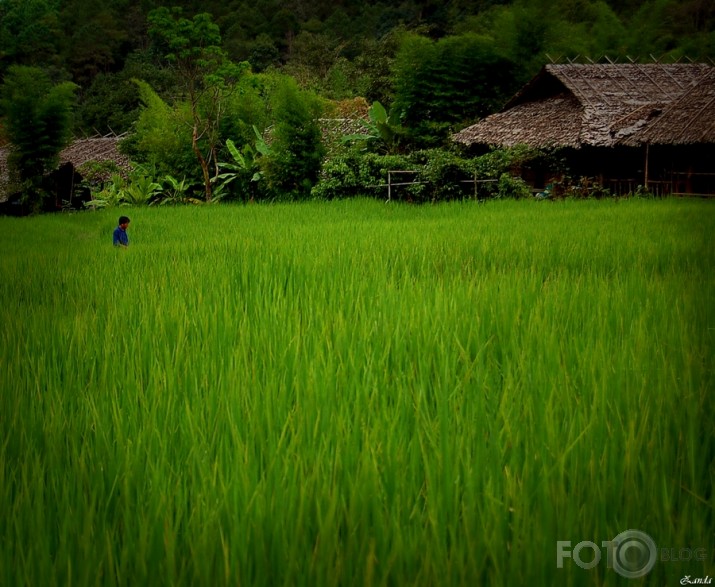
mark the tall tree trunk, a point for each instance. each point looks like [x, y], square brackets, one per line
[202, 162]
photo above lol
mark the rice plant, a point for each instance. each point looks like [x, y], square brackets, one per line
[354, 393]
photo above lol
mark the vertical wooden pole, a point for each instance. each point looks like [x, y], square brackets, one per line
[389, 187]
[645, 181]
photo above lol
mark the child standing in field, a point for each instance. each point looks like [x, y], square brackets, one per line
[121, 239]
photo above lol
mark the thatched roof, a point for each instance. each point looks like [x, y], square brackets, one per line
[689, 120]
[557, 117]
[95, 150]
[79, 153]
[597, 104]
[333, 129]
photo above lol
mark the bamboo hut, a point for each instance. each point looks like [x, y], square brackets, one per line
[74, 164]
[624, 124]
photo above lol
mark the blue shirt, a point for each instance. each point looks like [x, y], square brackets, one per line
[120, 237]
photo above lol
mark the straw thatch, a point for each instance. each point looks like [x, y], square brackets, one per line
[689, 120]
[558, 118]
[83, 151]
[95, 150]
[576, 105]
[80, 153]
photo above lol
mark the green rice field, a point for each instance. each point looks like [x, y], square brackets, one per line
[357, 393]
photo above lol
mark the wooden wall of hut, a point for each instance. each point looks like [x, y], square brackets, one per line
[662, 169]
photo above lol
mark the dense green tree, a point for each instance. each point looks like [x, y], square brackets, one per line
[205, 74]
[438, 84]
[526, 31]
[162, 137]
[374, 64]
[247, 107]
[293, 166]
[94, 38]
[29, 33]
[38, 122]
[680, 28]
[111, 103]
[263, 53]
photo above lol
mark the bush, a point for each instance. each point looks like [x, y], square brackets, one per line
[512, 187]
[439, 175]
[38, 117]
[443, 174]
[162, 137]
[293, 166]
[357, 174]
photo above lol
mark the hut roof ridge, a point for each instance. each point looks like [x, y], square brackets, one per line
[611, 104]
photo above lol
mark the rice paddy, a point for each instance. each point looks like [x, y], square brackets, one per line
[355, 393]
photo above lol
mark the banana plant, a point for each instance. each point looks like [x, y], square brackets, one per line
[245, 161]
[141, 189]
[177, 192]
[110, 196]
[382, 129]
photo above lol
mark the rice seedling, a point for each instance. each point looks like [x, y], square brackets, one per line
[354, 393]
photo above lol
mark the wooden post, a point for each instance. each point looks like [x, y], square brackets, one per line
[389, 187]
[647, 148]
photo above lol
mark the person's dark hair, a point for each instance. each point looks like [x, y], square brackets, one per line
[124, 220]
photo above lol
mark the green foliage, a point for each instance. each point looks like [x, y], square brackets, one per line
[205, 74]
[112, 101]
[96, 38]
[175, 191]
[351, 394]
[110, 195]
[338, 50]
[246, 107]
[443, 174]
[439, 66]
[356, 173]
[192, 44]
[141, 189]
[583, 187]
[30, 33]
[293, 165]
[510, 186]
[38, 118]
[499, 161]
[438, 175]
[440, 84]
[162, 136]
[383, 130]
[245, 169]
[95, 174]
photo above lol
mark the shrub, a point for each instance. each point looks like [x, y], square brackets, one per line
[443, 174]
[162, 137]
[293, 166]
[357, 174]
[38, 118]
[510, 186]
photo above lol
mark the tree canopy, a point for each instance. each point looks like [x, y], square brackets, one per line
[211, 70]
[37, 116]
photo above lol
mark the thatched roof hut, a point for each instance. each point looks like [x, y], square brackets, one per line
[74, 164]
[687, 120]
[598, 105]
[95, 150]
[624, 124]
[79, 153]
